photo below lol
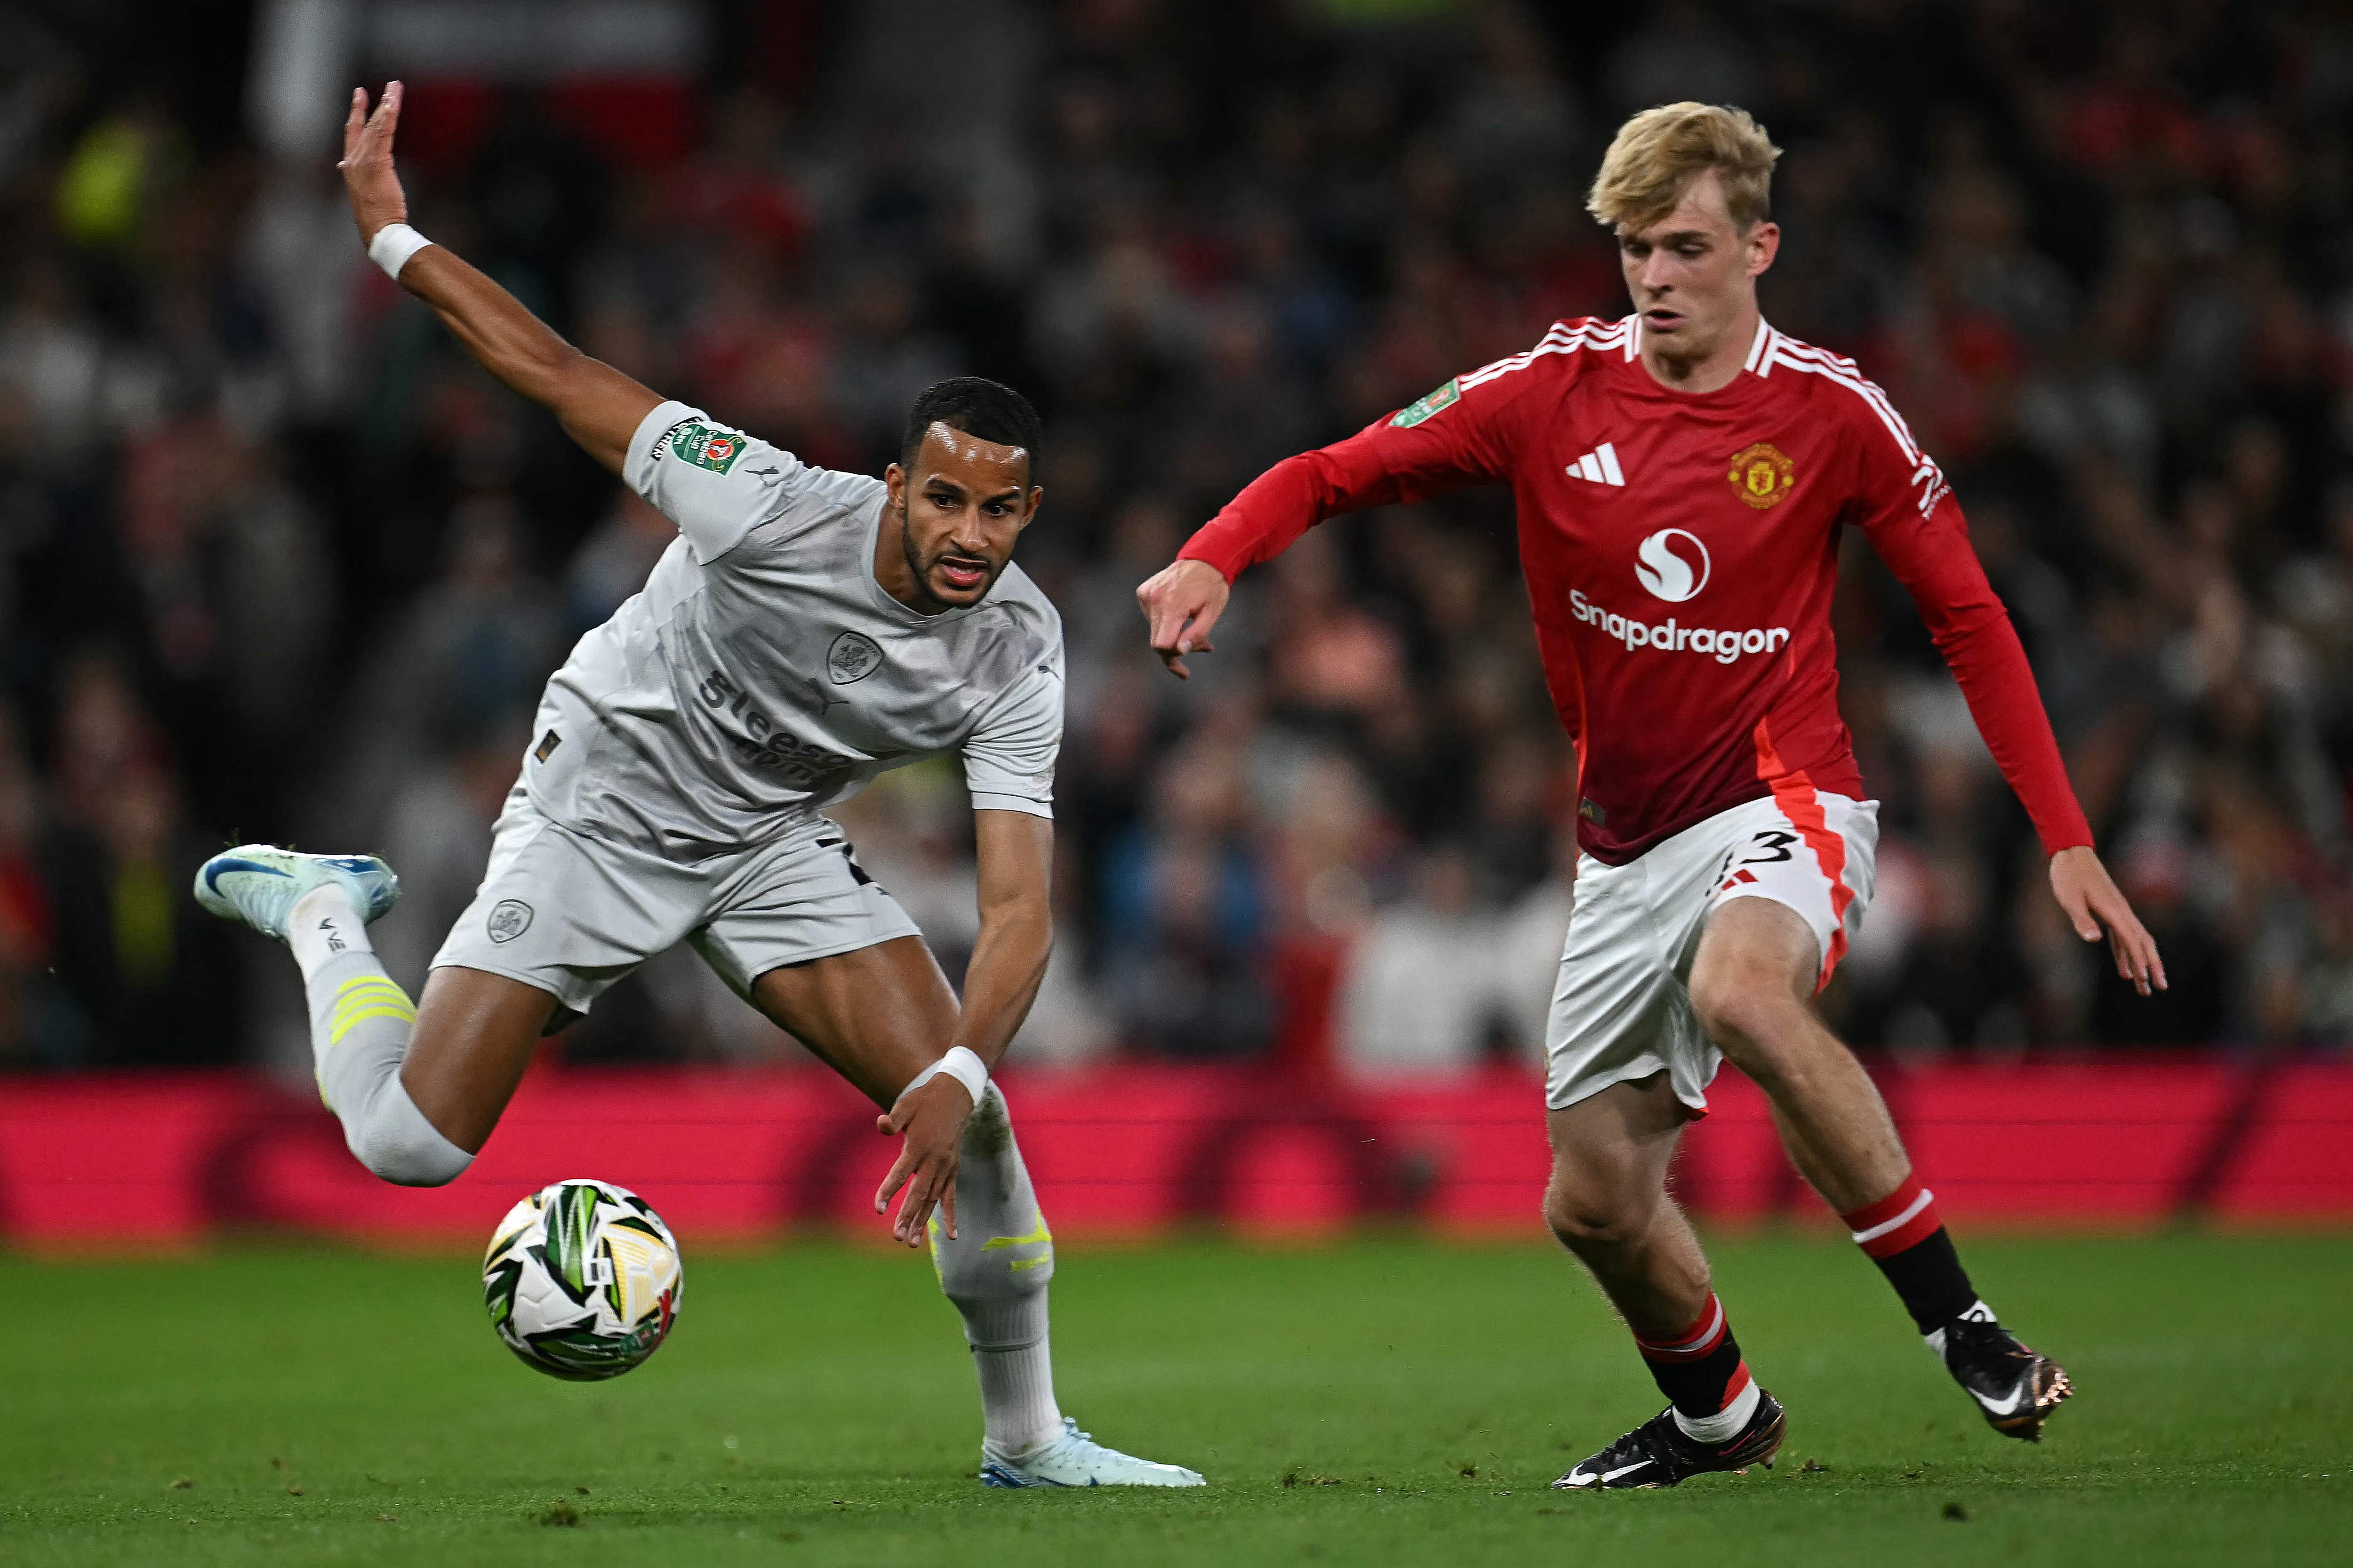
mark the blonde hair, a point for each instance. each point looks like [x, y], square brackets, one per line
[1656, 155]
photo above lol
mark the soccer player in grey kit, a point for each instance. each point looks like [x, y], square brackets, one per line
[805, 632]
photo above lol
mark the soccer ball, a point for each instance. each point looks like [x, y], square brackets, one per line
[581, 1279]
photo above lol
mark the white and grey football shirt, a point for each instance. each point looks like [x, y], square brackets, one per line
[763, 674]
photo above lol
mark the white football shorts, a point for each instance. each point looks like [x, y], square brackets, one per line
[571, 914]
[1620, 1008]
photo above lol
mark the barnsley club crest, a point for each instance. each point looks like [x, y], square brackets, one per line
[853, 657]
[510, 918]
[1762, 475]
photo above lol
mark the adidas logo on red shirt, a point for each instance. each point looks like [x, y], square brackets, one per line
[1600, 466]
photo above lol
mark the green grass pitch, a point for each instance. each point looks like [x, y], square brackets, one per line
[1382, 1400]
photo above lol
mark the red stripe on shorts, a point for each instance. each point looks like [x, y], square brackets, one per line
[1793, 791]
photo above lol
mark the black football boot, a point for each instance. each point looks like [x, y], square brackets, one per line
[2015, 1388]
[1657, 1453]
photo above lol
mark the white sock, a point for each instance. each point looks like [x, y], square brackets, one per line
[322, 925]
[1017, 1411]
[996, 1271]
[360, 1027]
[1978, 1312]
[1726, 1423]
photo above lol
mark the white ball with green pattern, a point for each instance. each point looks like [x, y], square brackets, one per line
[581, 1279]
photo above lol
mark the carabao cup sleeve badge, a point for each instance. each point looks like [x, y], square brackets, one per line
[1428, 404]
[705, 446]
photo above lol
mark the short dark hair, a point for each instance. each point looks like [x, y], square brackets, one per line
[977, 406]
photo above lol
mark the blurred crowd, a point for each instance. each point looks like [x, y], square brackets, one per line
[276, 562]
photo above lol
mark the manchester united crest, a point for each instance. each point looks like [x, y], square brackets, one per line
[1761, 475]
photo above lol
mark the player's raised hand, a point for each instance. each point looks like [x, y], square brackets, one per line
[933, 1116]
[368, 176]
[2094, 905]
[1181, 603]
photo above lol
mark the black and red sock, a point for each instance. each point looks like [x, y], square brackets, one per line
[1902, 1235]
[1699, 1368]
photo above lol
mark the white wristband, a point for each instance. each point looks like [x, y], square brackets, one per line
[960, 1064]
[394, 244]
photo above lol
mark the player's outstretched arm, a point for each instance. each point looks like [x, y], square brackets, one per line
[1931, 557]
[1453, 437]
[1009, 962]
[1974, 634]
[599, 407]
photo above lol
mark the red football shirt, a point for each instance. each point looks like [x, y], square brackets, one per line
[1680, 551]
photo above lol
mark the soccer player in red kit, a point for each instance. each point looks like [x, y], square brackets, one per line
[1682, 479]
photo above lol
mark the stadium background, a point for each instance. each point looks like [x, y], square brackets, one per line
[275, 561]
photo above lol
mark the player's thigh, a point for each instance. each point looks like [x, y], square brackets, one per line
[823, 950]
[1796, 878]
[476, 1033]
[1756, 956]
[569, 914]
[878, 1015]
[1618, 1009]
[558, 918]
[1611, 1152]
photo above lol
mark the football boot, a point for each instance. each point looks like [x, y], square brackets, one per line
[1072, 1458]
[259, 883]
[2014, 1388]
[1658, 1453]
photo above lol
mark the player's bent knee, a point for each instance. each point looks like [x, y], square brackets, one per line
[1767, 1039]
[395, 1141]
[1746, 1011]
[1596, 1217]
[409, 1160]
[1584, 1228]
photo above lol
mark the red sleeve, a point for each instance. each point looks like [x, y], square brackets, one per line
[1916, 526]
[1459, 434]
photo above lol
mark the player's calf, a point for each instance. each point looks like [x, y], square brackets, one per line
[361, 1022]
[1607, 1201]
[1750, 987]
[2015, 1389]
[996, 1269]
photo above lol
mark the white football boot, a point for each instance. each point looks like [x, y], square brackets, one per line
[257, 883]
[1072, 1458]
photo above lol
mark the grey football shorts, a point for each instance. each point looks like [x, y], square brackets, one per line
[571, 914]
